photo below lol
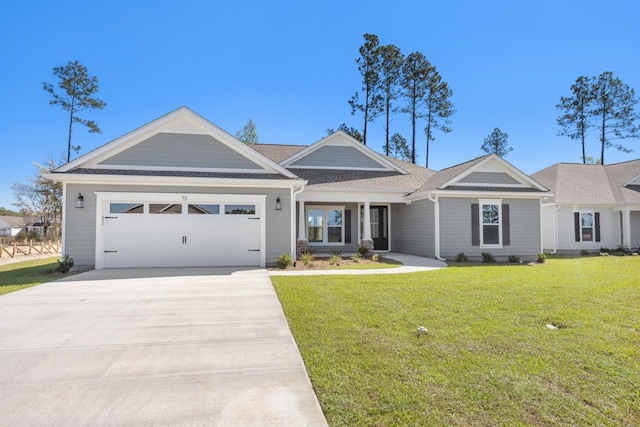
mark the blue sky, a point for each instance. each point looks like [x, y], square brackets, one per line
[291, 67]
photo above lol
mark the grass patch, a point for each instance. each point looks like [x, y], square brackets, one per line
[487, 358]
[20, 275]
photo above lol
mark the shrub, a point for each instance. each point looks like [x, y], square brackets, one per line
[461, 257]
[541, 258]
[586, 252]
[284, 260]
[363, 250]
[356, 257]
[65, 264]
[307, 258]
[604, 250]
[514, 259]
[623, 249]
[336, 253]
[335, 259]
[375, 257]
[488, 258]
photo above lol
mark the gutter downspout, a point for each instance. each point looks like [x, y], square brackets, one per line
[555, 229]
[436, 220]
[294, 193]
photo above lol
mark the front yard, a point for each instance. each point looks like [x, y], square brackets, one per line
[25, 274]
[488, 357]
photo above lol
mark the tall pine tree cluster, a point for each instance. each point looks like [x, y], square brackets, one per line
[393, 83]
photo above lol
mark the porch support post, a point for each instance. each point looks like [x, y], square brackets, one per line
[366, 238]
[626, 227]
[302, 244]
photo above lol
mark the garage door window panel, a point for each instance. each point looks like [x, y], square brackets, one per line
[240, 209]
[203, 209]
[128, 208]
[164, 208]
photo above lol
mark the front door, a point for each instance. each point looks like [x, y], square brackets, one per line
[380, 227]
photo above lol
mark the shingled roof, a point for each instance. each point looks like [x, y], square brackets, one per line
[591, 184]
[351, 179]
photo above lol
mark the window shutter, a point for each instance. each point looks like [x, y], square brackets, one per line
[475, 224]
[506, 232]
[576, 225]
[597, 225]
[347, 226]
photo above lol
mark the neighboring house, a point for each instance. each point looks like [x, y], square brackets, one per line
[592, 206]
[11, 226]
[180, 191]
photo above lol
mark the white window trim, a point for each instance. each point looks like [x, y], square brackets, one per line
[484, 202]
[593, 226]
[325, 224]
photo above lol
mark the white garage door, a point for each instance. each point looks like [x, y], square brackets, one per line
[181, 234]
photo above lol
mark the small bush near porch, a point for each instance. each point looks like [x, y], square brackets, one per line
[552, 344]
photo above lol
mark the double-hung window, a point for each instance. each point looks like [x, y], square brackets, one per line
[586, 226]
[490, 223]
[325, 225]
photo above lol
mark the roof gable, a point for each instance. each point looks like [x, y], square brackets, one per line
[178, 141]
[486, 173]
[491, 171]
[340, 151]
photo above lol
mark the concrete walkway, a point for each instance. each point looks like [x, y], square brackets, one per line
[410, 264]
[152, 347]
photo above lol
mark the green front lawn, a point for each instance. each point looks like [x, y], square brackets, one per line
[20, 275]
[488, 357]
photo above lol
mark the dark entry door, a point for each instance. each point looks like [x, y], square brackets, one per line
[380, 227]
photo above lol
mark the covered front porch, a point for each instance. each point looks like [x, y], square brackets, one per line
[630, 226]
[326, 226]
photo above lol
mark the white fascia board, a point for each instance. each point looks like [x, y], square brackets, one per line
[179, 169]
[493, 157]
[348, 141]
[172, 180]
[130, 139]
[631, 181]
[351, 197]
[478, 194]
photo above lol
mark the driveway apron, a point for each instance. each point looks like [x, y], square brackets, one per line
[152, 347]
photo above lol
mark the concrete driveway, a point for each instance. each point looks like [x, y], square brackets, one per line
[152, 347]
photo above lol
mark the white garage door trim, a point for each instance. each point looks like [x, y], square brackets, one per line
[102, 199]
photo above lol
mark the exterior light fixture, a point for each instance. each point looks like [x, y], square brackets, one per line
[278, 204]
[80, 201]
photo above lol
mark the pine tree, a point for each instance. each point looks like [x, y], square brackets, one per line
[74, 94]
[496, 143]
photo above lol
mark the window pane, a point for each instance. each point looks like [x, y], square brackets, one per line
[240, 209]
[314, 225]
[134, 208]
[490, 234]
[335, 234]
[490, 214]
[334, 217]
[587, 234]
[163, 208]
[204, 209]
[587, 219]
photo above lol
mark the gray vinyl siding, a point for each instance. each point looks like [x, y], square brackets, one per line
[347, 247]
[635, 229]
[455, 229]
[331, 156]
[488, 178]
[412, 228]
[80, 230]
[609, 230]
[181, 150]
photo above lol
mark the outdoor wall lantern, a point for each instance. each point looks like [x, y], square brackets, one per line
[80, 201]
[278, 204]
